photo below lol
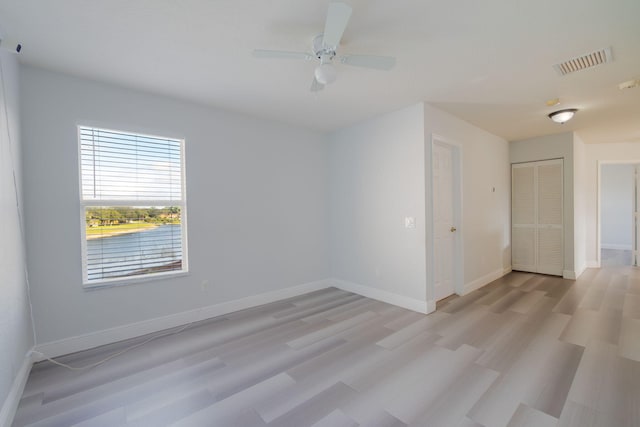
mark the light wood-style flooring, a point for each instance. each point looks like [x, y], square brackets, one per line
[526, 350]
[616, 257]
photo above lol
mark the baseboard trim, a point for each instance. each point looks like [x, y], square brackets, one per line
[616, 246]
[119, 333]
[569, 274]
[431, 306]
[124, 332]
[573, 274]
[10, 405]
[580, 270]
[485, 280]
[384, 296]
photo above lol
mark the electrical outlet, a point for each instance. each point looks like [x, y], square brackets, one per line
[409, 222]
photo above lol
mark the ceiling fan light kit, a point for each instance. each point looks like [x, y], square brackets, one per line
[563, 116]
[324, 48]
[325, 74]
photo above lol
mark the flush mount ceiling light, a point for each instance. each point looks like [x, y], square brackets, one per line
[629, 84]
[563, 116]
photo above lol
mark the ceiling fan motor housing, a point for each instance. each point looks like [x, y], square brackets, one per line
[322, 52]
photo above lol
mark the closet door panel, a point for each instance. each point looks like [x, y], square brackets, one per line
[550, 247]
[550, 256]
[523, 209]
[523, 218]
[550, 194]
[523, 250]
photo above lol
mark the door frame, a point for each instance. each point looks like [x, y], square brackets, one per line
[458, 252]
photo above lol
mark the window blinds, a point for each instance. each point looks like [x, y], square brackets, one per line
[120, 166]
[132, 196]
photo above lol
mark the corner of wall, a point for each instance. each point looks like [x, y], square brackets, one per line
[485, 280]
[10, 405]
[17, 334]
[431, 306]
[413, 304]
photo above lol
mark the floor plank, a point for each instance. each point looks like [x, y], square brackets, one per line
[526, 416]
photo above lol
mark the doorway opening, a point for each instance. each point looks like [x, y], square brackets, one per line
[619, 206]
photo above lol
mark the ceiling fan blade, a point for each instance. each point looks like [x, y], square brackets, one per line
[281, 54]
[316, 86]
[337, 18]
[369, 61]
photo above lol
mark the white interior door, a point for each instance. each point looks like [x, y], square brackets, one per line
[444, 227]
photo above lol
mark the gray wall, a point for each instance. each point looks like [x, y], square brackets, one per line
[16, 336]
[377, 179]
[380, 174]
[256, 197]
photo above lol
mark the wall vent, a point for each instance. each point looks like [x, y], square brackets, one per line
[585, 61]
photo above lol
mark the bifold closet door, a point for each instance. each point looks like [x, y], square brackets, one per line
[523, 218]
[537, 217]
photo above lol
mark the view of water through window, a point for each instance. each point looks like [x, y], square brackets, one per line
[133, 253]
[132, 240]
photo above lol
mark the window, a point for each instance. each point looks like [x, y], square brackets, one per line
[133, 206]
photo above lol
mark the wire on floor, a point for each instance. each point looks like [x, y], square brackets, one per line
[119, 353]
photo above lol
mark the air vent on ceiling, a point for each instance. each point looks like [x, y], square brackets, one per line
[585, 61]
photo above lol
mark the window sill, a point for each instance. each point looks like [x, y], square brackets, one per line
[126, 281]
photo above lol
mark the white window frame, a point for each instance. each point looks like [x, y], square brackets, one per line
[119, 281]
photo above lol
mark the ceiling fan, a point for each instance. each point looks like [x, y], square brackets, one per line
[324, 48]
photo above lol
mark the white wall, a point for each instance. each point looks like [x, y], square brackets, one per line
[579, 205]
[616, 206]
[486, 214]
[558, 146]
[596, 154]
[376, 180]
[379, 176]
[16, 336]
[256, 194]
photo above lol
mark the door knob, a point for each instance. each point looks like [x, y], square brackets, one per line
[453, 229]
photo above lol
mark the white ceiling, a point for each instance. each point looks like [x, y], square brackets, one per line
[488, 62]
